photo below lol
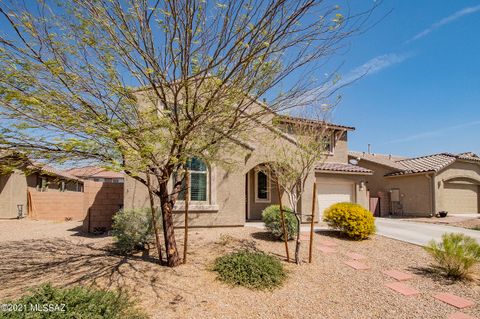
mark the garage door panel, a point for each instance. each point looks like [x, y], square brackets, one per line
[332, 193]
[461, 198]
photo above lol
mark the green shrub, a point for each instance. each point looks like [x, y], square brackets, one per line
[133, 230]
[77, 302]
[251, 269]
[352, 219]
[456, 254]
[273, 222]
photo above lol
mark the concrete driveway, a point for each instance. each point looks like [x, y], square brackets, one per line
[418, 233]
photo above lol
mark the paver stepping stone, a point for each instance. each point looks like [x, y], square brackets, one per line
[453, 300]
[326, 249]
[328, 243]
[357, 265]
[400, 276]
[356, 256]
[460, 315]
[402, 288]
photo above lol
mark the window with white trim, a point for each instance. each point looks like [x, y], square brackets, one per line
[198, 181]
[262, 186]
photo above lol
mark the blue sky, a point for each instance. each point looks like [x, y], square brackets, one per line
[423, 95]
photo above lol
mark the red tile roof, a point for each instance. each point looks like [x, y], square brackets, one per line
[288, 118]
[341, 167]
[423, 164]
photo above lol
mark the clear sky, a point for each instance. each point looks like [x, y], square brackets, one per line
[422, 94]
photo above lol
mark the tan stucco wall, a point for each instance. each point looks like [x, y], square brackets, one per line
[227, 202]
[459, 172]
[340, 154]
[416, 190]
[13, 192]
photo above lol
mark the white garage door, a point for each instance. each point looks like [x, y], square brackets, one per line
[461, 198]
[332, 193]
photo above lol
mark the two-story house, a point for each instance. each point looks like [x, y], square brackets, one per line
[230, 197]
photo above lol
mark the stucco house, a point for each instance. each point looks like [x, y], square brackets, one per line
[422, 185]
[96, 174]
[22, 177]
[230, 197]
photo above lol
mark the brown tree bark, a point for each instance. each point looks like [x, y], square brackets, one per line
[154, 219]
[173, 258]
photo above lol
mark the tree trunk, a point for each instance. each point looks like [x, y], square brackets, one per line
[297, 246]
[173, 258]
[154, 220]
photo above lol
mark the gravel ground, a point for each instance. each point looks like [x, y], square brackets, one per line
[458, 221]
[327, 288]
[25, 229]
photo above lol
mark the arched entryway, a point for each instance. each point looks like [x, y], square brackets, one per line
[260, 191]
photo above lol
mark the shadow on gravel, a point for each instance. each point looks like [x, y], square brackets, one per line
[266, 236]
[432, 272]
[27, 264]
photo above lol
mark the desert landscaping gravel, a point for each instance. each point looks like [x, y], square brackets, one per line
[327, 288]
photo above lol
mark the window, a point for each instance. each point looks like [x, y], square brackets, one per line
[42, 184]
[198, 181]
[262, 186]
[62, 186]
[330, 143]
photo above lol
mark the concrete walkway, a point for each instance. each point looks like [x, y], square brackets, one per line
[418, 233]
[407, 231]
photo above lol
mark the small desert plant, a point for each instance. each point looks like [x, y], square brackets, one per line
[273, 222]
[133, 230]
[48, 302]
[456, 254]
[352, 219]
[251, 269]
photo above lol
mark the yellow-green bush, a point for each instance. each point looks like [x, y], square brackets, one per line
[352, 219]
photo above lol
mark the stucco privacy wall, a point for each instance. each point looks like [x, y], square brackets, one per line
[102, 199]
[460, 172]
[56, 206]
[13, 192]
[101, 202]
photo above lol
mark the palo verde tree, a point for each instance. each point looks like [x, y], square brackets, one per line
[142, 86]
[293, 162]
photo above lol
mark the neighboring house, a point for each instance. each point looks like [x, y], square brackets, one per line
[22, 177]
[97, 174]
[423, 185]
[221, 197]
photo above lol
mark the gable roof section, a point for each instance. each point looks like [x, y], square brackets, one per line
[382, 159]
[94, 171]
[48, 170]
[294, 119]
[423, 164]
[429, 163]
[342, 168]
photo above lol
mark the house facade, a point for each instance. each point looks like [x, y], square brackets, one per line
[22, 184]
[422, 186]
[232, 196]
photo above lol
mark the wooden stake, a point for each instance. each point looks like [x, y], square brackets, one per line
[312, 222]
[282, 214]
[154, 220]
[187, 197]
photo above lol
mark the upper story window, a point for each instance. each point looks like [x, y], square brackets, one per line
[330, 143]
[262, 186]
[198, 181]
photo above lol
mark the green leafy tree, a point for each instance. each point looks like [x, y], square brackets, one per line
[141, 86]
